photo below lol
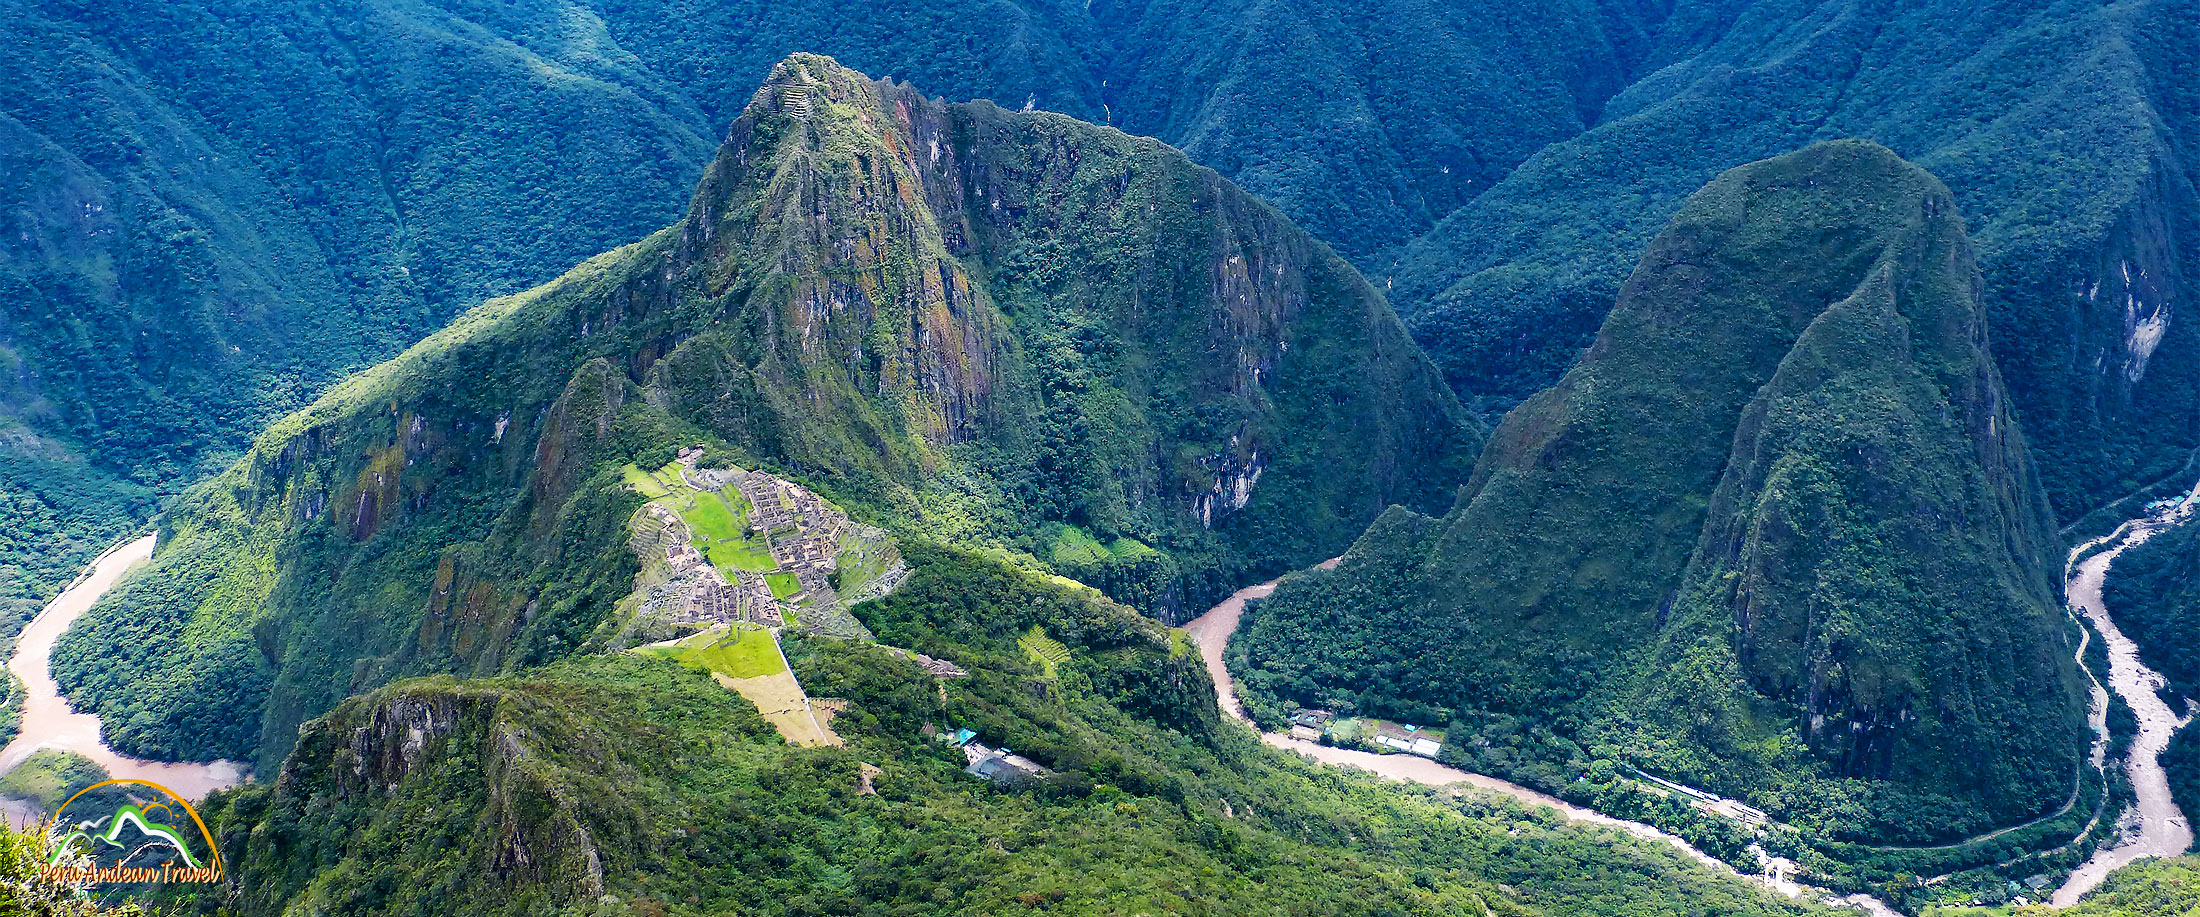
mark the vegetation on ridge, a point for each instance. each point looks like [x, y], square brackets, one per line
[1047, 325]
[626, 785]
[1776, 535]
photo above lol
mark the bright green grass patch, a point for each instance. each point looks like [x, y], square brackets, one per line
[1126, 546]
[1045, 650]
[783, 584]
[49, 777]
[1069, 544]
[1180, 643]
[745, 652]
[644, 483]
[719, 523]
[745, 555]
[711, 519]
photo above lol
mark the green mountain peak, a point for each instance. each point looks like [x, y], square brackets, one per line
[1777, 532]
[1005, 329]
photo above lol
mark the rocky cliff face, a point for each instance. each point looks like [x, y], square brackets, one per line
[963, 322]
[1782, 498]
[515, 779]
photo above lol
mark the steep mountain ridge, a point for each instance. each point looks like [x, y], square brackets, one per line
[218, 214]
[957, 321]
[1777, 531]
[2064, 130]
[211, 216]
[627, 784]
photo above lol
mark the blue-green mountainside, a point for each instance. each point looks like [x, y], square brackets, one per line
[2067, 131]
[1777, 534]
[209, 216]
[961, 322]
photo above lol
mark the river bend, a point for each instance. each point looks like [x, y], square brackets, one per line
[48, 722]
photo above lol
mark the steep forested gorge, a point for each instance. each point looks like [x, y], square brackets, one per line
[1777, 533]
[993, 328]
[213, 215]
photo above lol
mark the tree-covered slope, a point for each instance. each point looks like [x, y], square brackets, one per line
[209, 215]
[626, 784]
[1003, 328]
[1367, 122]
[2153, 589]
[1777, 533]
[2066, 131]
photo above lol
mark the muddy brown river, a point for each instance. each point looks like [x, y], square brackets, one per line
[48, 722]
[2153, 826]
[1211, 633]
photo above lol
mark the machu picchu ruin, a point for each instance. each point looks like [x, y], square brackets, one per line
[749, 547]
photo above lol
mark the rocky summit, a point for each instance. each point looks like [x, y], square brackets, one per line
[961, 322]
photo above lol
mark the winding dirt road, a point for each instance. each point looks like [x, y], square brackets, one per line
[47, 720]
[1211, 633]
[2153, 827]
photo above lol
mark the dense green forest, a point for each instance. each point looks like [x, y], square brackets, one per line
[633, 780]
[1777, 535]
[1040, 335]
[209, 218]
[2153, 589]
[2067, 132]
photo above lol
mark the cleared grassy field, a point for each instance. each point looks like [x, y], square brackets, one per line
[643, 482]
[1045, 650]
[1074, 545]
[748, 652]
[783, 584]
[718, 522]
[711, 519]
[743, 652]
[752, 556]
